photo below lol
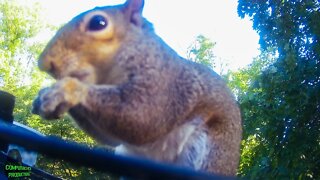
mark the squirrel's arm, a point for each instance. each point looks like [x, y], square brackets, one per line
[122, 110]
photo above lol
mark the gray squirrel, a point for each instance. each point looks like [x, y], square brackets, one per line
[125, 87]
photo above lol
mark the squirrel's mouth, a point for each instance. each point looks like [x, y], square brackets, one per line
[81, 76]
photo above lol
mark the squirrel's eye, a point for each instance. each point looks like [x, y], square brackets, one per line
[97, 23]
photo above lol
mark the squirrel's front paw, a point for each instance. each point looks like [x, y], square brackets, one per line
[53, 102]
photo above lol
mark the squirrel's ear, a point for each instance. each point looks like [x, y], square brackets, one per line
[133, 8]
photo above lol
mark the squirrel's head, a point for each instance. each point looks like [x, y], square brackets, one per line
[88, 43]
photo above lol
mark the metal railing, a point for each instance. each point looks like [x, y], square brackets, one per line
[97, 158]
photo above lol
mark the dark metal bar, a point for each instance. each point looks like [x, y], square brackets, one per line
[98, 159]
[7, 102]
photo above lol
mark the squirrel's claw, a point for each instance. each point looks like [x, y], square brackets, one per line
[54, 101]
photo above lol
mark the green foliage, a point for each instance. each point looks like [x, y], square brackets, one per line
[201, 51]
[281, 105]
[245, 85]
[16, 58]
[240, 81]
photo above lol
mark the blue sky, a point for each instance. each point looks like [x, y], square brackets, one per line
[178, 22]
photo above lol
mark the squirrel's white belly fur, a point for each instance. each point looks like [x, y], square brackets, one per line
[186, 146]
